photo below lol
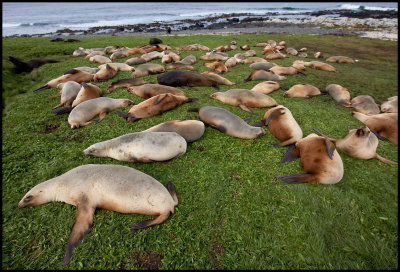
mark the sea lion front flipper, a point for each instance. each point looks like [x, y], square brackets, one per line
[158, 99]
[258, 124]
[291, 154]
[42, 88]
[62, 110]
[283, 88]
[276, 144]
[273, 114]
[148, 223]
[330, 147]
[71, 72]
[245, 108]
[83, 223]
[379, 136]
[301, 73]
[122, 114]
[248, 120]
[294, 178]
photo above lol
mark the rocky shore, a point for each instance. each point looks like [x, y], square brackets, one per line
[363, 23]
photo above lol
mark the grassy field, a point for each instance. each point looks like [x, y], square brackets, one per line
[233, 212]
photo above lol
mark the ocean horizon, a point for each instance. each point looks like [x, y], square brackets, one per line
[29, 18]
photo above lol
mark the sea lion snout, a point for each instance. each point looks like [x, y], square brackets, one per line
[26, 201]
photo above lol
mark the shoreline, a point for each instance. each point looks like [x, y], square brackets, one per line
[361, 23]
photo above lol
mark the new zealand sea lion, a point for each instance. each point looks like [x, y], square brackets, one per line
[227, 122]
[245, 47]
[262, 65]
[244, 99]
[186, 79]
[190, 130]
[319, 159]
[365, 104]
[154, 106]
[140, 147]
[385, 128]
[125, 83]
[359, 143]
[390, 104]
[282, 125]
[27, 66]
[299, 65]
[150, 90]
[71, 75]
[267, 87]
[291, 51]
[112, 187]
[188, 60]
[285, 70]
[254, 60]
[152, 56]
[214, 57]
[69, 91]
[179, 66]
[217, 66]
[119, 54]
[87, 69]
[135, 61]
[318, 55]
[340, 59]
[100, 59]
[339, 94]
[105, 74]
[94, 53]
[264, 75]
[148, 69]
[220, 79]
[87, 92]
[83, 113]
[275, 56]
[231, 62]
[320, 66]
[249, 53]
[118, 66]
[302, 90]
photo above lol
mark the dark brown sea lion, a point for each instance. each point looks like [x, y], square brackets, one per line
[186, 79]
[27, 66]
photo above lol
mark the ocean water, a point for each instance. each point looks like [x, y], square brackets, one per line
[45, 17]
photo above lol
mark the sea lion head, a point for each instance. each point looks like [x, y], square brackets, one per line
[36, 196]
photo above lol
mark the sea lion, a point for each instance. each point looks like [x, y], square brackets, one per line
[261, 44]
[384, 127]
[100, 59]
[154, 41]
[254, 60]
[150, 90]
[217, 66]
[27, 66]
[148, 69]
[90, 70]
[318, 55]
[80, 52]
[245, 47]
[125, 83]
[303, 49]
[359, 143]
[282, 43]
[285, 70]
[264, 75]
[302, 55]
[390, 104]
[393, 115]
[118, 66]
[291, 51]
[84, 112]
[155, 105]
[227, 122]
[214, 57]
[188, 60]
[186, 79]
[220, 79]
[249, 53]
[269, 50]
[282, 125]
[113, 48]
[193, 47]
[87, 92]
[94, 53]
[240, 58]
[320, 66]
[69, 91]
[105, 73]
[152, 56]
[231, 62]
[275, 56]
[266, 87]
[319, 159]
[113, 187]
[135, 61]
[71, 75]
[262, 65]
[244, 99]
[365, 104]
[302, 90]
[179, 66]
[299, 65]
[190, 130]
[340, 59]
[339, 94]
[140, 147]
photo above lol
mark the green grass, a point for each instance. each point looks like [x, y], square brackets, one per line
[233, 212]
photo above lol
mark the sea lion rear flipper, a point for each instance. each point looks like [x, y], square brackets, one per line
[276, 144]
[273, 114]
[301, 73]
[248, 120]
[245, 108]
[158, 99]
[291, 154]
[122, 114]
[294, 178]
[62, 110]
[172, 191]
[42, 88]
[148, 223]
[72, 71]
[330, 147]
[283, 88]
[193, 109]
[83, 223]
[193, 100]
[379, 136]
[384, 160]
[258, 124]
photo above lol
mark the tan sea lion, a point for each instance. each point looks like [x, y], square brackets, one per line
[261, 44]
[100, 59]
[188, 60]
[190, 130]
[193, 47]
[84, 112]
[240, 58]
[155, 105]
[262, 65]
[148, 69]
[152, 56]
[302, 55]
[269, 50]
[119, 54]
[267, 87]
[218, 78]
[214, 57]
[390, 104]
[113, 187]
[125, 83]
[245, 47]
[302, 90]
[88, 91]
[69, 91]
[71, 75]
[150, 90]
[282, 125]
[365, 104]
[359, 143]
[111, 49]
[94, 53]
[250, 53]
[135, 61]
[320, 66]
[319, 159]
[217, 66]
[254, 60]
[91, 70]
[285, 70]
[291, 51]
[264, 75]
[118, 66]
[275, 56]
[105, 73]
[179, 66]
[140, 147]
[303, 49]
[244, 99]
[318, 55]
[340, 59]
[227, 122]
[299, 65]
[231, 62]
[384, 127]
[339, 94]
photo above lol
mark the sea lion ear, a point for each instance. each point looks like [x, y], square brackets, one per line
[330, 148]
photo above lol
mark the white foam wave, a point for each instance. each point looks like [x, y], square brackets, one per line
[10, 25]
[356, 7]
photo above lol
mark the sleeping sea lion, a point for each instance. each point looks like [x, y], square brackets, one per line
[179, 66]
[227, 122]
[150, 90]
[105, 74]
[140, 147]
[71, 75]
[390, 104]
[69, 91]
[244, 99]
[291, 51]
[27, 66]
[125, 83]
[365, 104]
[213, 57]
[245, 47]
[282, 125]
[100, 59]
[299, 65]
[87, 69]
[82, 114]
[319, 159]
[339, 94]
[113, 187]
[217, 66]
[249, 53]
[264, 75]
[148, 69]
[94, 53]
[262, 65]
[190, 130]
[188, 60]
[320, 66]
[152, 56]
[275, 56]
[231, 62]
[118, 66]
[186, 79]
[359, 143]
[318, 55]
[135, 61]
[254, 60]
[220, 79]
[119, 54]
[155, 105]
[267, 87]
[285, 70]
[340, 59]
[302, 90]
[384, 127]
[193, 47]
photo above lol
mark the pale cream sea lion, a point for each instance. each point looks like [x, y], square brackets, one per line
[365, 104]
[339, 94]
[190, 130]
[266, 87]
[148, 69]
[321, 66]
[150, 90]
[264, 75]
[118, 66]
[262, 65]
[390, 104]
[68, 93]
[100, 59]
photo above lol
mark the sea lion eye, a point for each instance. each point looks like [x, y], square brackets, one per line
[28, 198]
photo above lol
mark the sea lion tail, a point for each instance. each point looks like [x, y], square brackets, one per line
[193, 109]
[384, 160]
[42, 88]
[172, 191]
